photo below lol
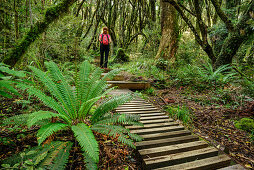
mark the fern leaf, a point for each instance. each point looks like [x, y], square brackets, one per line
[86, 140]
[83, 77]
[18, 119]
[51, 86]
[110, 105]
[48, 101]
[40, 115]
[86, 106]
[90, 163]
[60, 155]
[63, 87]
[45, 131]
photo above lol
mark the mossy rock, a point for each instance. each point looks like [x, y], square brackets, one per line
[121, 56]
[246, 124]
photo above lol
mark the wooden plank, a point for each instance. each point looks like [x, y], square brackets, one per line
[165, 142]
[137, 109]
[130, 85]
[166, 150]
[154, 117]
[157, 130]
[134, 107]
[178, 158]
[233, 167]
[156, 121]
[211, 163]
[166, 135]
[152, 126]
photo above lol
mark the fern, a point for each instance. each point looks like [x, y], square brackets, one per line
[90, 163]
[110, 105]
[40, 115]
[45, 131]
[18, 119]
[86, 140]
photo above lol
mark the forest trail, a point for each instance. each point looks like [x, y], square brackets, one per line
[168, 145]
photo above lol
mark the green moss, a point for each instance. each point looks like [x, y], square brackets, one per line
[246, 124]
[121, 56]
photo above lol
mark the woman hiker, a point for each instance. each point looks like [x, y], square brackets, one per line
[105, 40]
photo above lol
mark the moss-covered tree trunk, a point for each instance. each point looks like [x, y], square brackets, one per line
[36, 30]
[169, 28]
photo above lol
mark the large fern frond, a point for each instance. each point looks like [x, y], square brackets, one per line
[51, 86]
[87, 141]
[45, 131]
[17, 120]
[109, 105]
[63, 87]
[90, 163]
[82, 80]
[58, 158]
[40, 115]
[48, 101]
[86, 106]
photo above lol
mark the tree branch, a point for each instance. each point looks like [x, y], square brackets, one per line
[222, 15]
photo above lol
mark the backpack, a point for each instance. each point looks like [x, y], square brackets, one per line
[105, 39]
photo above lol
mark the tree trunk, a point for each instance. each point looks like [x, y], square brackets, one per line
[35, 31]
[169, 26]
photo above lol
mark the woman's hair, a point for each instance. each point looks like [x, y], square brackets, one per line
[105, 30]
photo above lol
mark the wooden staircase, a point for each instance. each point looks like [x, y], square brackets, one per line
[168, 145]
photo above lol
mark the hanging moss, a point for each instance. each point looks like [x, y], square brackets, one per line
[35, 31]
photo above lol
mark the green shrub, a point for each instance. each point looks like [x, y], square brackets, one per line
[181, 113]
[246, 124]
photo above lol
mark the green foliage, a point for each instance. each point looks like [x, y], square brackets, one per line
[6, 82]
[51, 156]
[248, 87]
[246, 124]
[181, 113]
[73, 104]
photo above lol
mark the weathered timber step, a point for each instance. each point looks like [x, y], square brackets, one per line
[130, 85]
[166, 135]
[211, 163]
[154, 117]
[233, 167]
[152, 126]
[157, 130]
[156, 121]
[165, 142]
[178, 158]
[136, 110]
[143, 112]
[134, 107]
[173, 149]
[151, 114]
[117, 77]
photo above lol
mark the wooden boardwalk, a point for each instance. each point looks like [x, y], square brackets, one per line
[168, 145]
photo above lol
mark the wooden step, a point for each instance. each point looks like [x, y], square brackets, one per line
[143, 112]
[137, 110]
[157, 130]
[173, 149]
[166, 135]
[130, 85]
[165, 142]
[211, 163]
[233, 167]
[154, 117]
[156, 121]
[123, 107]
[117, 77]
[178, 158]
[152, 126]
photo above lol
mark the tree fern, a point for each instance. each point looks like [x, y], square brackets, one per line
[45, 131]
[86, 140]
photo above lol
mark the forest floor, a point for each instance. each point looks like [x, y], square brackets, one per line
[213, 122]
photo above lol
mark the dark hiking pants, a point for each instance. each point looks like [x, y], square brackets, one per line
[104, 49]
